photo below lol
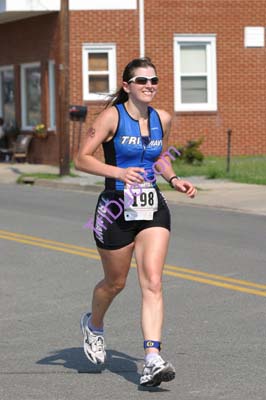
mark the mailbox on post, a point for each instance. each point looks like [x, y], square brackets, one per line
[77, 113]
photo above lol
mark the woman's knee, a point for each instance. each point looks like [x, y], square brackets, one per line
[153, 285]
[115, 287]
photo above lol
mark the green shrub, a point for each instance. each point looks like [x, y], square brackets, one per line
[190, 153]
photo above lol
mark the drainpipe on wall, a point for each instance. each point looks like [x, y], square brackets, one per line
[141, 29]
[64, 154]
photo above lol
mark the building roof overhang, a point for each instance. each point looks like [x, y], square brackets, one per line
[14, 10]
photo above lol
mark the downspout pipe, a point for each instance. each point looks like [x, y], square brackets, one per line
[141, 29]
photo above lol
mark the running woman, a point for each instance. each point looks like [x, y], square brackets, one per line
[133, 136]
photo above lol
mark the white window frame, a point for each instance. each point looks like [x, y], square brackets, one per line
[210, 42]
[2, 69]
[23, 68]
[52, 95]
[99, 48]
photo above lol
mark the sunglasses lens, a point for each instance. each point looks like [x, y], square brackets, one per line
[155, 80]
[141, 80]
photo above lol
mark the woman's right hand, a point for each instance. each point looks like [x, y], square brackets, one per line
[131, 175]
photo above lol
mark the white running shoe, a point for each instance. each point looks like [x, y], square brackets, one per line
[94, 346]
[157, 371]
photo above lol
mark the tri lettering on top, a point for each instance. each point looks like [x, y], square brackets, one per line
[136, 140]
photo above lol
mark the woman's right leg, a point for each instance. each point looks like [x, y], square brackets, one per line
[116, 264]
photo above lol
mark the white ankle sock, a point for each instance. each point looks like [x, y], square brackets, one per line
[151, 356]
[96, 331]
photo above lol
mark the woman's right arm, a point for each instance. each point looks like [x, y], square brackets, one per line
[102, 130]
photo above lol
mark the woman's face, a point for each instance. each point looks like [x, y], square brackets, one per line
[138, 88]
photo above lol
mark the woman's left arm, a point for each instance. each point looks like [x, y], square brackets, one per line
[168, 172]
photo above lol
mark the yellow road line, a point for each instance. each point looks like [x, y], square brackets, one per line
[167, 266]
[38, 239]
[216, 283]
[183, 273]
[216, 277]
[211, 282]
[48, 246]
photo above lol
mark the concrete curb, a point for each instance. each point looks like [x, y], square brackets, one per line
[49, 183]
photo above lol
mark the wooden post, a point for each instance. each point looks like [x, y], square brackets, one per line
[64, 156]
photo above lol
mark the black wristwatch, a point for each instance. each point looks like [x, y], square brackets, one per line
[172, 178]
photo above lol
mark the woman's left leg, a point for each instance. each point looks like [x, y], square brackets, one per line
[151, 247]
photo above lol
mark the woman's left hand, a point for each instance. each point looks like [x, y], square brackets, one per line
[185, 187]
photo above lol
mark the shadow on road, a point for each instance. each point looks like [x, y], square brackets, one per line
[117, 362]
[74, 358]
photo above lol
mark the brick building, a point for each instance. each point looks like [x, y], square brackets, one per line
[210, 56]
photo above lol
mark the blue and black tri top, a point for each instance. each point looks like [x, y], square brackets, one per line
[128, 148]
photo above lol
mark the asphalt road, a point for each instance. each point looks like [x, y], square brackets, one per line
[214, 285]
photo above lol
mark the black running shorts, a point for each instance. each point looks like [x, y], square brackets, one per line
[112, 234]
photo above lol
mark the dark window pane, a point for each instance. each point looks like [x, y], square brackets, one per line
[98, 61]
[194, 90]
[98, 84]
[8, 98]
[33, 96]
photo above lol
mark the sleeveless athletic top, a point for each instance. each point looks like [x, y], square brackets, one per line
[128, 148]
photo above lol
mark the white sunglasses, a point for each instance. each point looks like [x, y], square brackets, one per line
[143, 80]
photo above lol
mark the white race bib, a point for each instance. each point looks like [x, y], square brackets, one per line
[140, 202]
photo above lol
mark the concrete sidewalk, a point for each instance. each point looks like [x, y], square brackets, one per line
[211, 193]
[225, 194]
